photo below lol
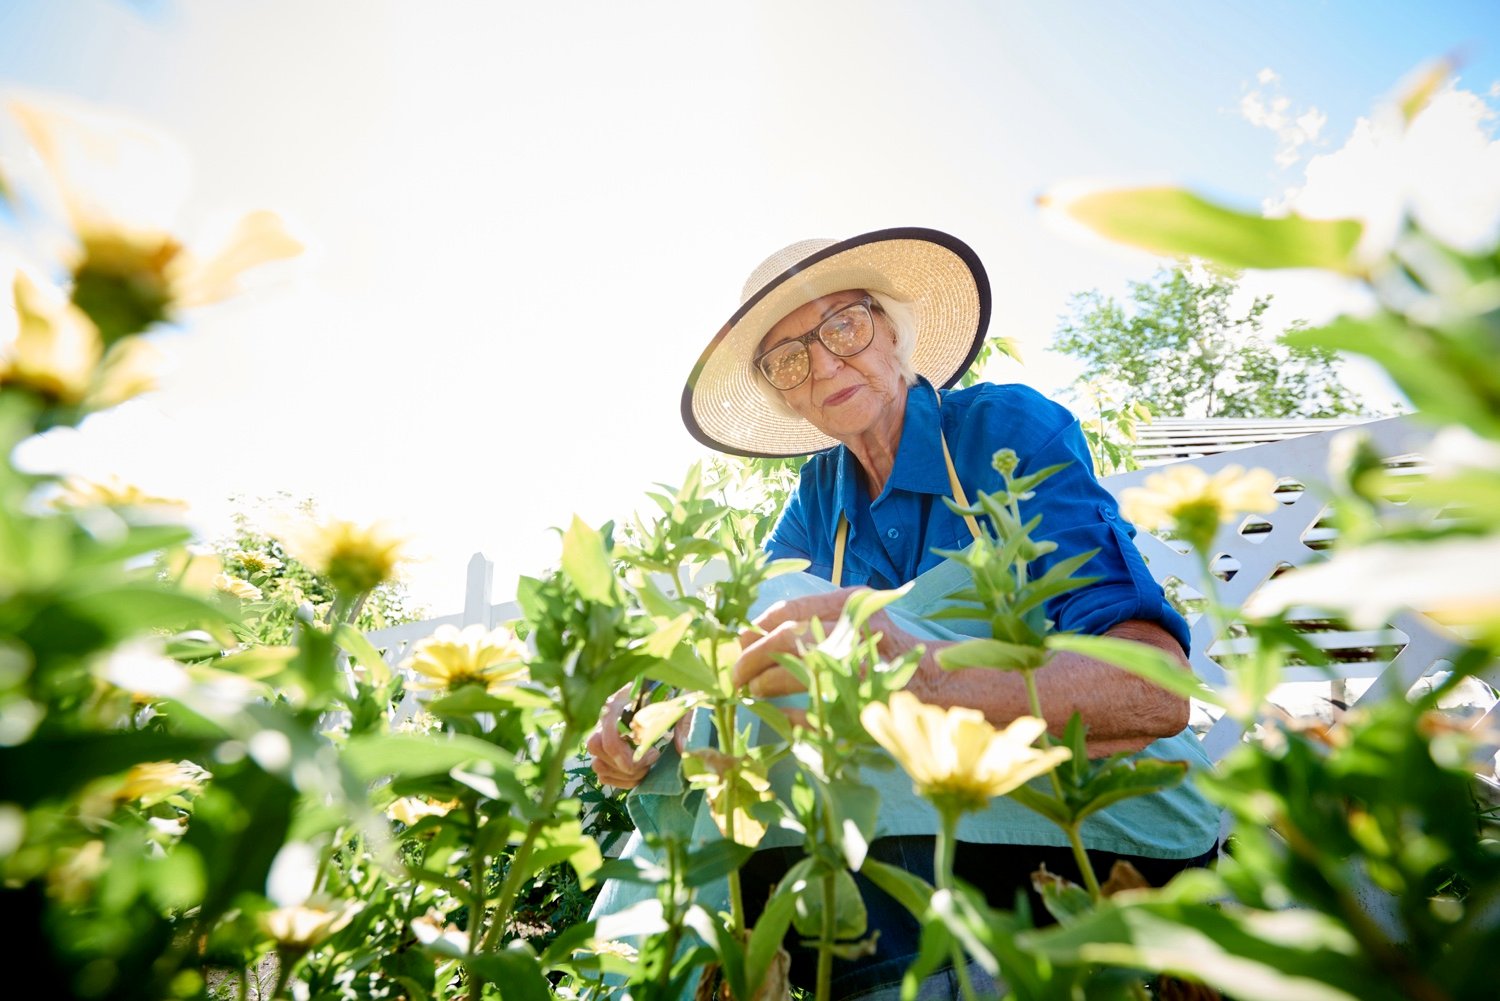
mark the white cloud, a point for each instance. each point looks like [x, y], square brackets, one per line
[1265, 108]
[1444, 168]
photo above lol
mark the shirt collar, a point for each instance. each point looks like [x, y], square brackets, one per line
[919, 460]
[919, 464]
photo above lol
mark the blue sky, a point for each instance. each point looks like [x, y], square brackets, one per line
[525, 220]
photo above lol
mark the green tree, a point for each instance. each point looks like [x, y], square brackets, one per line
[1179, 346]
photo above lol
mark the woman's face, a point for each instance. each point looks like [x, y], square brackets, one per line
[843, 397]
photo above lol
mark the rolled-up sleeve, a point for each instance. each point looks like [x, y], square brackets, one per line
[1079, 515]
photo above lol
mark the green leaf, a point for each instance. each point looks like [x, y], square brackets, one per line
[850, 918]
[767, 936]
[772, 717]
[52, 767]
[130, 608]
[684, 669]
[1177, 222]
[471, 699]
[1063, 898]
[1053, 809]
[515, 967]
[569, 940]
[863, 604]
[1291, 955]
[141, 539]
[353, 642]
[714, 861]
[1127, 779]
[910, 891]
[586, 562]
[1144, 661]
[990, 653]
[408, 755]
[855, 811]
[665, 637]
[712, 929]
[1029, 482]
[1439, 387]
[657, 719]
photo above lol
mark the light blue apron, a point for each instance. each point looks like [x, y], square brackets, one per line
[1175, 824]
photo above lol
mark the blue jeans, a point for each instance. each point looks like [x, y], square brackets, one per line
[998, 871]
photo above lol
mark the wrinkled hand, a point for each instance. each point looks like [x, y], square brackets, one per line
[785, 628]
[613, 756]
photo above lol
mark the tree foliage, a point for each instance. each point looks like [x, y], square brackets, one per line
[1179, 345]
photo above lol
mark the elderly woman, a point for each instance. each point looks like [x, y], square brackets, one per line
[846, 349]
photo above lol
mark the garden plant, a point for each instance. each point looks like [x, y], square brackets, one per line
[185, 791]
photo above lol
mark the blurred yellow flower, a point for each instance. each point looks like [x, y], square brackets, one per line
[59, 355]
[1186, 498]
[254, 563]
[307, 924]
[613, 947]
[151, 782]
[432, 929]
[241, 589]
[451, 657]
[129, 271]
[409, 809]
[79, 492]
[130, 368]
[954, 756]
[192, 567]
[355, 558]
[56, 350]
[71, 881]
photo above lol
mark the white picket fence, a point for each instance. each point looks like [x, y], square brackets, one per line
[1248, 553]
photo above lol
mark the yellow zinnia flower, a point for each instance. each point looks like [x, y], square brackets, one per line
[241, 589]
[954, 756]
[151, 782]
[1186, 498]
[409, 809]
[255, 562]
[450, 658]
[79, 492]
[355, 558]
[129, 271]
[56, 350]
[307, 924]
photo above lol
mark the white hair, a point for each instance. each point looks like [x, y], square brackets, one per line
[903, 321]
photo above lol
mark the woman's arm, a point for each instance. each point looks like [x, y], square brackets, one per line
[1122, 712]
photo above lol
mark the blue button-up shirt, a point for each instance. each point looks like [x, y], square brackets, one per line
[893, 538]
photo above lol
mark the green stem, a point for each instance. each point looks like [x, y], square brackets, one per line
[724, 719]
[283, 973]
[671, 913]
[1034, 697]
[551, 786]
[1085, 867]
[829, 932]
[826, 937]
[942, 867]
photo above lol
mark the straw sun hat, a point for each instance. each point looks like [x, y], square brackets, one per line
[938, 275]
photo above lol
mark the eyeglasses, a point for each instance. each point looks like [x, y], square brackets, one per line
[845, 332]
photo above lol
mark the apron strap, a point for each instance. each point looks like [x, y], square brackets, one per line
[842, 536]
[838, 550]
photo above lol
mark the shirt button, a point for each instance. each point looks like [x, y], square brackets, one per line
[892, 534]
